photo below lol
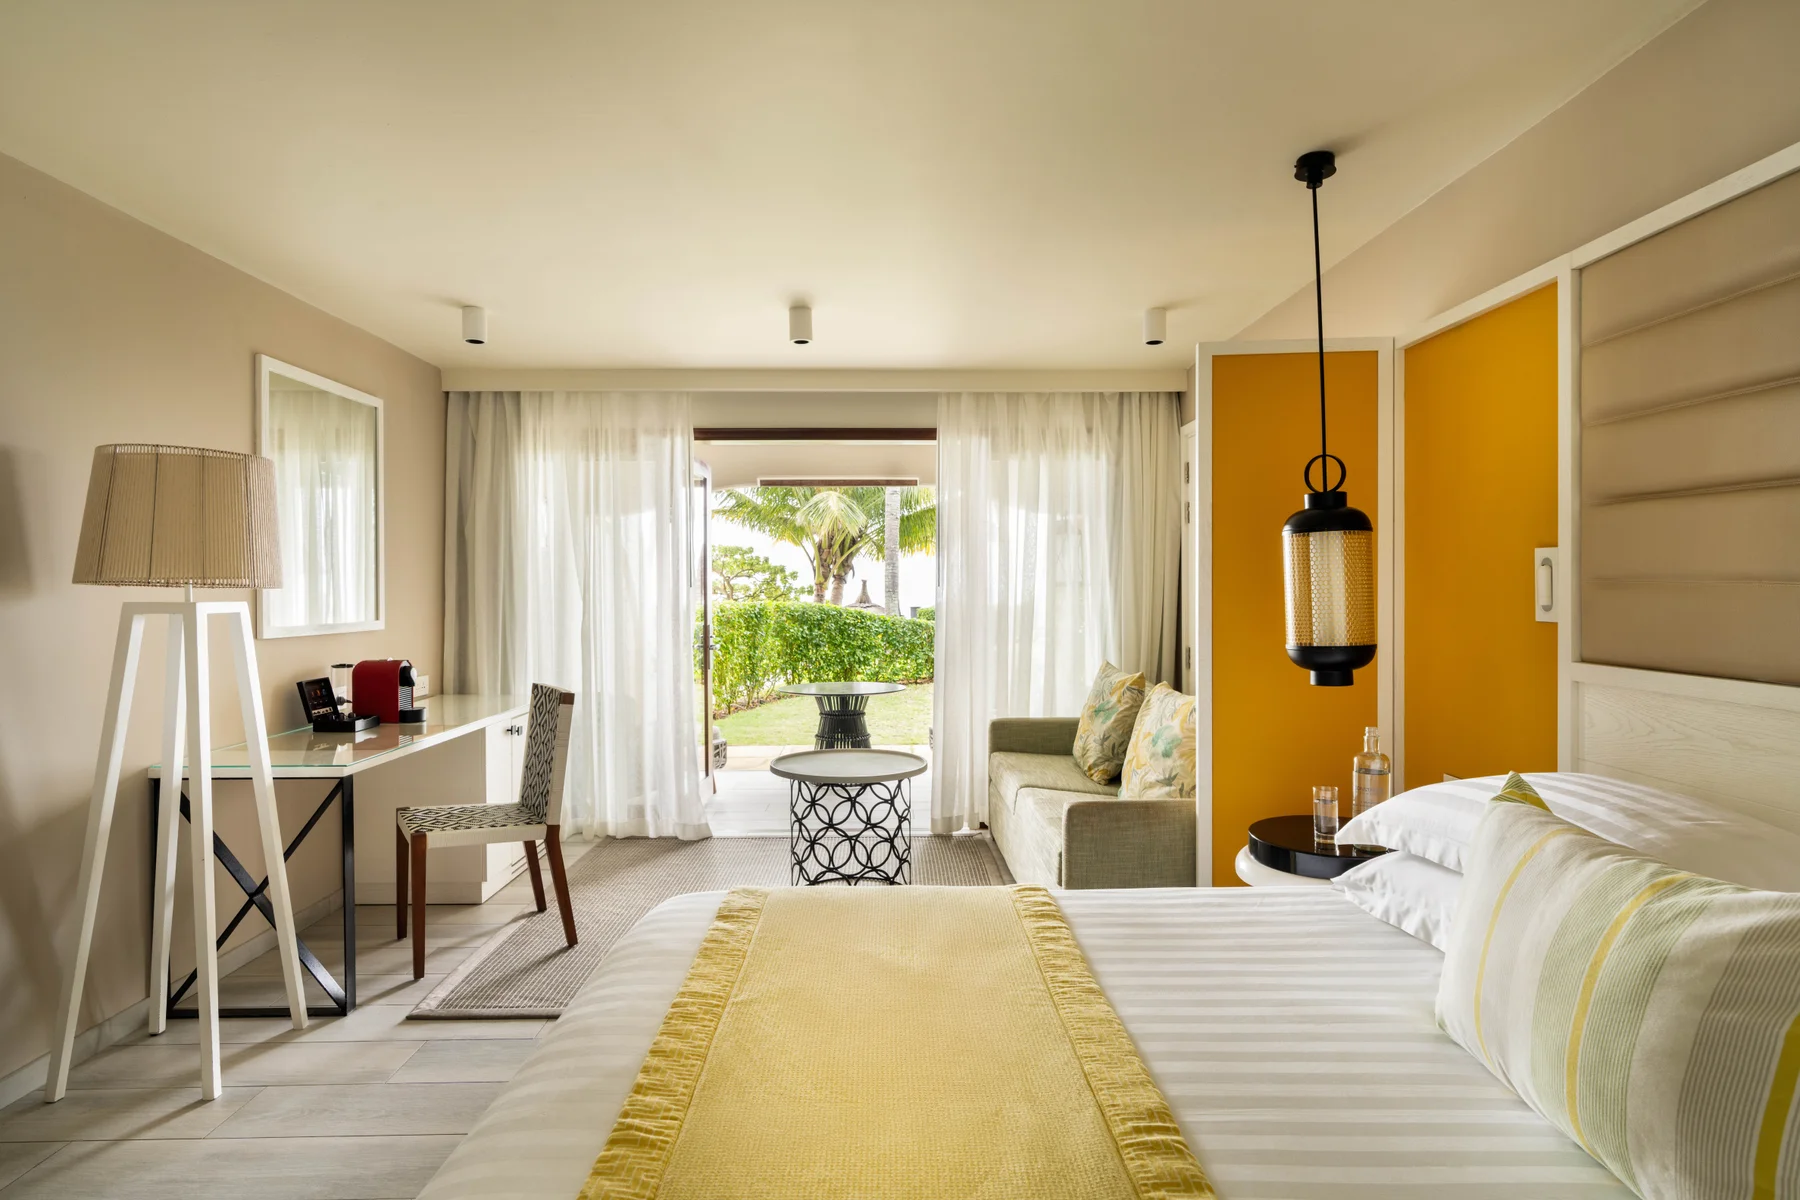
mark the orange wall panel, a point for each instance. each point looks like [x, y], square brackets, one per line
[1480, 447]
[1275, 736]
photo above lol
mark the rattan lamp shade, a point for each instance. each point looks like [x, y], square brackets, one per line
[173, 515]
[1328, 552]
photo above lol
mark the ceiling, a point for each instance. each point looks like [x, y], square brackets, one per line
[951, 183]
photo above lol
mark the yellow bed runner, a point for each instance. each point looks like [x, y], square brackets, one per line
[859, 1044]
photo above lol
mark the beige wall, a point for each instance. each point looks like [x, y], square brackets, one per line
[1713, 93]
[110, 331]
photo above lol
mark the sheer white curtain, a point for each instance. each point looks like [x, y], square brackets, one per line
[1059, 535]
[569, 559]
[323, 446]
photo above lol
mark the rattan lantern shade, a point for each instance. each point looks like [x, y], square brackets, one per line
[1328, 555]
[172, 515]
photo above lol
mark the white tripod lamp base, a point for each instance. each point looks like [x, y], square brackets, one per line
[186, 726]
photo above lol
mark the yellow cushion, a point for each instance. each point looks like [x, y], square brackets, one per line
[1106, 722]
[1164, 749]
[1517, 791]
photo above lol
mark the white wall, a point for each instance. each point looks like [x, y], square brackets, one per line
[113, 332]
[1716, 91]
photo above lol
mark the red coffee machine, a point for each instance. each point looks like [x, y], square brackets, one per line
[383, 687]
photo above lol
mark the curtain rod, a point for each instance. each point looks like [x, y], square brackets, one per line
[794, 433]
[502, 379]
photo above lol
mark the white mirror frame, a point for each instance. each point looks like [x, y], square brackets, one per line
[265, 367]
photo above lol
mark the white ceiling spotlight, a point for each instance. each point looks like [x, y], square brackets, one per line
[800, 324]
[1156, 326]
[474, 325]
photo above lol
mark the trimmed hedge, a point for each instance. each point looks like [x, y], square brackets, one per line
[765, 643]
[927, 613]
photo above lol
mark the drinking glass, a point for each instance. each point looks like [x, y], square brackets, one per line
[1325, 814]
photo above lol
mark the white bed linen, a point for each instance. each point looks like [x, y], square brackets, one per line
[1439, 820]
[1291, 1032]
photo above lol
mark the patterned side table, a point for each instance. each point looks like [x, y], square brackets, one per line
[850, 814]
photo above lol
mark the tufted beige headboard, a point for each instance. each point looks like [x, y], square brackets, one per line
[1682, 664]
[1690, 445]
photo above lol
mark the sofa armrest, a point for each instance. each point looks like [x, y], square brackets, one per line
[1033, 735]
[1128, 843]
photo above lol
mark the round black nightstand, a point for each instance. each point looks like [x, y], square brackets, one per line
[1286, 844]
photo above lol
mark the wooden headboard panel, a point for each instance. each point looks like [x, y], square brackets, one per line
[1687, 598]
[1736, 744]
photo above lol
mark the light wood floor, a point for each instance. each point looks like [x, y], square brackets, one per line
[362, 1107]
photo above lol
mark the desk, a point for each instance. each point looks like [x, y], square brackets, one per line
[341, 757]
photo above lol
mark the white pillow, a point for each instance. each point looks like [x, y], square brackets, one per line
[1438, 821]
[1406, 891]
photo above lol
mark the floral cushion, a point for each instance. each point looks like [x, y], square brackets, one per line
[1160, 762]
[1106, 721]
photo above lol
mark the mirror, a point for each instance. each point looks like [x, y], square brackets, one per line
[326, 442]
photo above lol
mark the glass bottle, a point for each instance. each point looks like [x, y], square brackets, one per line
[1371, 775]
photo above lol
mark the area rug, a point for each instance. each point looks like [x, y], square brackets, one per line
[526, 969]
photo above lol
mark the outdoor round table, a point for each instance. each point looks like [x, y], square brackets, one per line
[849, 814]
[843, 711]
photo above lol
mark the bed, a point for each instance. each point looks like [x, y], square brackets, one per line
[1291, 1032]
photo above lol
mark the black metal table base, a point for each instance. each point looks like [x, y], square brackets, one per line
[843, 723]
[850, 832]
[342, 997]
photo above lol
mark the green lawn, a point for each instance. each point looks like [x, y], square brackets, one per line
[903, 719]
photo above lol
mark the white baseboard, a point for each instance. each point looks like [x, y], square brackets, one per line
[114, 1029]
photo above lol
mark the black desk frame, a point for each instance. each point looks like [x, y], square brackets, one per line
[343, 997]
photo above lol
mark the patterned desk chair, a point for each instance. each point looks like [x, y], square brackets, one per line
[536, 817]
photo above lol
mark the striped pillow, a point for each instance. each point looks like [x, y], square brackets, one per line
[1651, 1014]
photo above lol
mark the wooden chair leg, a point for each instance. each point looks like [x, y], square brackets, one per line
[560, 879]
[537, 874]
[418, 905]
[402, 894]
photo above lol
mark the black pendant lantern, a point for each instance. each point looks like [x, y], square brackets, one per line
[1328, 547]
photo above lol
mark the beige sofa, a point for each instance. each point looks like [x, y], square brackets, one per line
[1055, 826]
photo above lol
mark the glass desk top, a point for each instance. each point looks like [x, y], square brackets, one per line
[303, 754]
[841, 689]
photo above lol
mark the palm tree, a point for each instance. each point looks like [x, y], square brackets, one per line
[775, 513]
[832, 526]
[848, 522]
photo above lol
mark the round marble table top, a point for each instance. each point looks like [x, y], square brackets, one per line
[851, 767]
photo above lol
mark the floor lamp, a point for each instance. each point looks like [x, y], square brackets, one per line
[173, 516]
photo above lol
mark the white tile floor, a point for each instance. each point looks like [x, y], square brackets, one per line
[363, 1107]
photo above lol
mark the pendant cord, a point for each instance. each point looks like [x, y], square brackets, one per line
[1313, 169]
[1319, 305]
